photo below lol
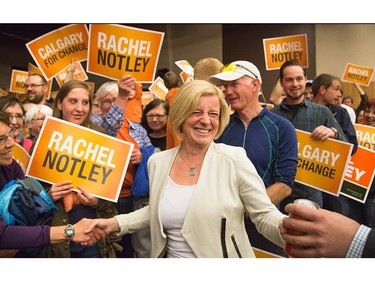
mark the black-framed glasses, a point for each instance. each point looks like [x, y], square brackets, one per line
[38, 119]
[3, 139]
[233, 66]
[157, 116]
[18, 116]
[32, 86]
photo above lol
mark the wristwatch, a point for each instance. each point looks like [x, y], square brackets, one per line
[336, 132]
[69, 232]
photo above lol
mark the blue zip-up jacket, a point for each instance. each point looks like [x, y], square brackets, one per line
[270, 142]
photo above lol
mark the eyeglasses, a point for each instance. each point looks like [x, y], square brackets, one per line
[232, 67]
[157, 116]
[19, 117]
[3, 139]
[107, 101]
[38, 119]
[32, 86]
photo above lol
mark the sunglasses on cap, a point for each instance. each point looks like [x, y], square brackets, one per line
[232, 67]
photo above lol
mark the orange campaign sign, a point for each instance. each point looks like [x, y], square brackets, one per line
[21, 156]
[33, 69]
[185, 77]
[55, 50]
[359, 174]
[17, 81]
[158, 88]
[147, 97]
[186, 67]
[277, 50]
[116, 50]
[79, 74]
[67, 151]
[322, 164]
[365, 135]
[359, 74]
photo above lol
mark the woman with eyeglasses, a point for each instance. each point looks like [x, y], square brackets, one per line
[14, 238]
[15, 111]
[154, 120]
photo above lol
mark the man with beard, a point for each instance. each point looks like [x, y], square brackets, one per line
[307, 116]
[35, 89]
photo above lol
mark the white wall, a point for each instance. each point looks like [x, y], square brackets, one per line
[339, 44]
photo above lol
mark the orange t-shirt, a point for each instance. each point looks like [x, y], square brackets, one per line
[171, 94]
[123, 134]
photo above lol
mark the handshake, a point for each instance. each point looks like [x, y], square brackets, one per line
[88, 231]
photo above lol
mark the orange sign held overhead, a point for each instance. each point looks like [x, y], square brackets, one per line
[55, 50]
[280, 49]
[158, 88]
[92, 160]
[116, 50]
[79, 74]
[359, 74]
[17, 81]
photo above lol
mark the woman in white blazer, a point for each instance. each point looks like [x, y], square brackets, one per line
[200, 190]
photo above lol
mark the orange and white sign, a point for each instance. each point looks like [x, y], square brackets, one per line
[21, 156]
[17, 81]
[359, 174]
[365, 136]
[95, 161]
[79, 74]
[359, 74]
[322, 164]
[35, 70]
[158, 88]
[186, 67]
[116, 50]
[147, 97]
[55, 50]
[278, 50]
[91, 87]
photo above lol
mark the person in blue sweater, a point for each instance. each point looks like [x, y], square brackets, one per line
[270, 141]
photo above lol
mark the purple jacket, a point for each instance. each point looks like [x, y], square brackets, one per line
[20, 237]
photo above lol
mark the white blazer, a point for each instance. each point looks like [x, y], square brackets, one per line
[214, 224]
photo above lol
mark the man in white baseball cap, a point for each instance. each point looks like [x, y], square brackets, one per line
[236, 70]
[269, 140]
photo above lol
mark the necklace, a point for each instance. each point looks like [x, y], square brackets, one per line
[191, 169]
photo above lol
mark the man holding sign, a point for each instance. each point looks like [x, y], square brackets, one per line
[326, 90]
[306, 116]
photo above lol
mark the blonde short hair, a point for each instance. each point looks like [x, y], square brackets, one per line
[187, 99]
[207, 67]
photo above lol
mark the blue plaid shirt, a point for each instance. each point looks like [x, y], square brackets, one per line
[112, 121]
